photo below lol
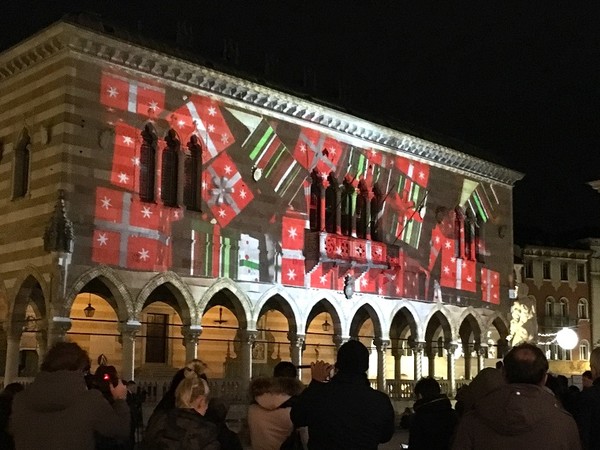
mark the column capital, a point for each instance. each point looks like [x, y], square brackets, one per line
[248, 336]
[296, 340]
[381, 344]
[130, 328]
[417, 347]
[451, 348]
[481, 350]
[191, 333]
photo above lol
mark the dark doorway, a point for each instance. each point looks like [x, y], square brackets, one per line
[156, 338]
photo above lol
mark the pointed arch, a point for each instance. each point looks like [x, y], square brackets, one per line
[238, 299]
[360, 315]
[177, 288]
[30, 287]
[148, 154]
[324, 305]
[109, 286]
[286, 305]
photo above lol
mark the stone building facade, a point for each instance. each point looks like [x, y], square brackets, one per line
[556, 283]
[198, 213]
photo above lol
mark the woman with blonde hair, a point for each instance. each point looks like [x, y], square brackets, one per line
[185, 426]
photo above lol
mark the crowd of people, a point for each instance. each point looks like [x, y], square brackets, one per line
[516, 405]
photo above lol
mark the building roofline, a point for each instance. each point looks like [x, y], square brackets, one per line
[155, 62]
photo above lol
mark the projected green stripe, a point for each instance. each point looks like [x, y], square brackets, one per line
[249, 264]
[261, 143]
[484, 216]
[273, 163]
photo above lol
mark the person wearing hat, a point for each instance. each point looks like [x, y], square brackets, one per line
[344, 412]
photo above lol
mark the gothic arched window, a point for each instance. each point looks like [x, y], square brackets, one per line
[148, 163]
[192, 191]
[331, 204]
[170, 163]
[21, 169]
[362, 210]
[347, 206]
[316, 207]
[376, 207]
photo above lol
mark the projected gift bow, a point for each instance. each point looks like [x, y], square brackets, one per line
[227, 195]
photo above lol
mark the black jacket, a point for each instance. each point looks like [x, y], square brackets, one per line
[432, 425]
[345, 414]
[587, 415]
[181, 429]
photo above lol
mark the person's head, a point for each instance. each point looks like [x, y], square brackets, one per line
[104, 377]
[352, 357]
[66, 356]
[198, 367]
[595, 363]
[499, 364]
[586, 379]
[192, 392]
[131, 386]
[285, 369]
[427, 388]
[526, 363]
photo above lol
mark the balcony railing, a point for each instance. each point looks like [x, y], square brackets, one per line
[549, 322]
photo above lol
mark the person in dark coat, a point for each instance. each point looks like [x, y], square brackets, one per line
[58, 412]
[185, 426]
[521, 414]
[434, 421]
[587, 407]
[6, 399]
[344, 413]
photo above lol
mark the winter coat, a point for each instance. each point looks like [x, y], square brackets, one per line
[587, 416]
[344, 413]
[57, 411]
[517, 416]
[269, 414]
[432, 425]
[181, 429]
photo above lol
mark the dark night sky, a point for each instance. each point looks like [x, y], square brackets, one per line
[518, 80]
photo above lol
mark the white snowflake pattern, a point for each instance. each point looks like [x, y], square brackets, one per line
[102, 239]
[364, 282]
[225, 138]
[338, 250]
[153, 105]
[227, 170]
[106, 202]
[291, 274]
[469, 279]
[303, 148]
[293, 232]
[180, 123]
[127, 140]
[243, 193]
[135, 161]
[146, 212]
[421, 175]
[323, 279]
[144, 254]
[123, 178]
[448, 244]
[446, 270]
[222, 213]
[112, 92]
[212, 111]
[210, 128]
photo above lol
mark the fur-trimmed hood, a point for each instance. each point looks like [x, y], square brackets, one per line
[271, 393]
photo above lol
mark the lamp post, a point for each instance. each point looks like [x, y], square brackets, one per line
[326, 325]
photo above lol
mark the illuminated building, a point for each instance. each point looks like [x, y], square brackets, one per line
[555, 289]
[195, 213]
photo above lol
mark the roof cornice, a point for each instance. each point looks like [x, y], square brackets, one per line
[556, 252]
[157, 63]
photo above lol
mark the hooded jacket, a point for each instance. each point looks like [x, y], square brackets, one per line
[517, 416]
[269, 414]
[432, 425]
[57, 411]
[345, 413]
